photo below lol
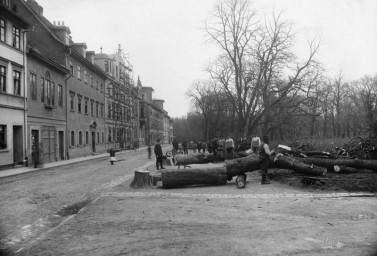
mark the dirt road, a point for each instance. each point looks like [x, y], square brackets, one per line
[106, 217]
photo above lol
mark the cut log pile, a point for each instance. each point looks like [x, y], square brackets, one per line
[308, 163]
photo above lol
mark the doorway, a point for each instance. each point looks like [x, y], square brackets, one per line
[35, 147]
[94, 142]
[17, 144]
[61, 145]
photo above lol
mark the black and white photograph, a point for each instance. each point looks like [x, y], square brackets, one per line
[188, 127]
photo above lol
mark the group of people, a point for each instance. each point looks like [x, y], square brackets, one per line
[213, 146]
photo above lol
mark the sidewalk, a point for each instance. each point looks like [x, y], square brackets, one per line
[21, 170]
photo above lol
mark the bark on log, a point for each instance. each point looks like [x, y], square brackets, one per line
[241, 165]
[201, 158]
[187, 177]
[142, 179]
[282, 161]
[330, 163]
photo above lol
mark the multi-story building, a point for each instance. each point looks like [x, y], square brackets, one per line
[82, 90]
[13, 115]
[154, 121]
[120, 100]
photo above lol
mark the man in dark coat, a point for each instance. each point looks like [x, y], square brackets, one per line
[184, 146]
[159, 154]
[264, 158]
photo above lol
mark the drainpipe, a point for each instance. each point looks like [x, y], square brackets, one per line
[26, 147]
[66, 103]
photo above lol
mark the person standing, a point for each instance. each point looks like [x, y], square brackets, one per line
[184, 146]
[159, 154]
[264, 158]
[204, 146]
[255, 143]
[112, 156]
[149, 151]
[199, 146]
[221, 143]
[229, 144]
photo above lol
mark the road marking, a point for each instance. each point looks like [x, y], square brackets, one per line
[231, 196]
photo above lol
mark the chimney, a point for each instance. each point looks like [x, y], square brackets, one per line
[35, 7]
[90, 56]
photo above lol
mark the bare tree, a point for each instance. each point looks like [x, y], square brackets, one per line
[257, 68]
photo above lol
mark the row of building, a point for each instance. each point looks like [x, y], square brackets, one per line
[60, 101]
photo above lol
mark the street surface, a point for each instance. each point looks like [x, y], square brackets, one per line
[88, 208]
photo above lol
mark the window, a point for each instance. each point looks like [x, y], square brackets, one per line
[16, 82]
[60, 95]
[16, 38]
[80, 138]
[53, 94]
[42, 89]
[72, 138]
[106, 66]
[142, 112]
[71, 68]
[109, 111]
[97, 137]
[86, 106]
[97, 108]
[86, 137]
[79, 104]
[103, 137]
[85, 77]
[3, 79]
[2, 30]
[97, 87]
[33, 86]
[101, 110]
[72, 101]
[91, 80]
[101, 87]
[92, 107]
[3, 136]
[116, 72]
[79, 72]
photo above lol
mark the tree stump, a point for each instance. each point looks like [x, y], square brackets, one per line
[142, 179]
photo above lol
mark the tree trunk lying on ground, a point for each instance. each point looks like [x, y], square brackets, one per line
[187, 177]
[286, 162]
[204, 158]
[330, 163]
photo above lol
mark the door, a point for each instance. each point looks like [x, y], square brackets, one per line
[94, 141]
[61, 145]
[17, 144]
[35, 147]
[49, 144]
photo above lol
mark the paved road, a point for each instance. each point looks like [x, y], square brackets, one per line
[29, 202]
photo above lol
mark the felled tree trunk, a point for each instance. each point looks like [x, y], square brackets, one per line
[330, 163]
[201, 158]
[241, 165]
[298, 166]
[142, 179]
[187, 177]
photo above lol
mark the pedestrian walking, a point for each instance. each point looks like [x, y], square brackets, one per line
[229, 144]
[149, 151]
[264, 158]
[159, 155]
[112, 156]
[255, 143]
[184, 146]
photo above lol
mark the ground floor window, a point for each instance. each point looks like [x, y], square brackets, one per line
[3, 136]
[72, 138]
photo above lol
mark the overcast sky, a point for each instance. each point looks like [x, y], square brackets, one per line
[165, 41]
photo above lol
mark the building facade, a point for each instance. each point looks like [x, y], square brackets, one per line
[13, 115]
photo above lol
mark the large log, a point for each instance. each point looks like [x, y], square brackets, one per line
[330, 163]
[201, 158]
[286, 162]
[241, 165]
[194, 176]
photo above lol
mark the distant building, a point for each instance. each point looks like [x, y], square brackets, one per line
[13, 111]
[154, 120]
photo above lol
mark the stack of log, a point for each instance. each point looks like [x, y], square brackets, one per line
[242, 162]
